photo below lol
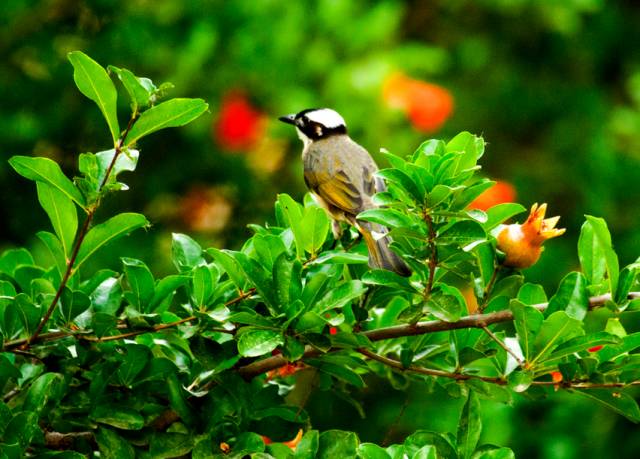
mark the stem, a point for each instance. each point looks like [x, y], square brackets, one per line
[420, 328]
[81, 235]
[433, 258]
[488, 289]
[502, 345]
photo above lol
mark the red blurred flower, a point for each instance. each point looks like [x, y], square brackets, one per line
[499, 193]
[427, 105]
[205, 209]
[595, 348]
[239, 125]
[333, 331]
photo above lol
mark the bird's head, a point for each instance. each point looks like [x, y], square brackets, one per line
[316, 123]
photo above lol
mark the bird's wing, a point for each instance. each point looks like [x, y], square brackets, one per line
[336, 189]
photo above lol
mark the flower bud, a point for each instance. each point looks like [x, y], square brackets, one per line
[522, 243]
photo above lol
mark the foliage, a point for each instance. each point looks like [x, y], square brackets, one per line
[205, 361]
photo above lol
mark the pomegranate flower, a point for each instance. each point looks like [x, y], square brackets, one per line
[522, 243]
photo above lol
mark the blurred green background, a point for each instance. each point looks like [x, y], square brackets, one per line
[553, 86]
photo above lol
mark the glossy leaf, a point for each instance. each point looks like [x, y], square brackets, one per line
[61, 212]
[172, 113]
[337, 443]
[93, 81]
[185, 252]
[528, 322]
[501, 212]
[618, 401]
[40, 391]
[315, 224]
[372, 451]
[112, 445]
[141, 283]
[47, 171]
[556, 329]
[572, 297]
[106, 232]
[138, 93]
[340, 296]
[596, 253]
[254, 342]
[469, 426]
[118, 416]
[386, 217]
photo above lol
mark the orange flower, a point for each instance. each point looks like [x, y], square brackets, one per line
[291, 443]
[239, 125]
[205, 209]
[499, 193]
[285, 370]
[427, 105]
[556, 377]
[522, 243]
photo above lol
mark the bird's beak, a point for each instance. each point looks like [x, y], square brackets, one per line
[289, 119]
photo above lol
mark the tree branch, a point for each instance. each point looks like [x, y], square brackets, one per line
[420, 328]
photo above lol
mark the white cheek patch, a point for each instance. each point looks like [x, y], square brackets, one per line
[327, 117]
[305, 140]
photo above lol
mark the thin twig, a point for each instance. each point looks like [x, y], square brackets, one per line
[502, 345]
[433, 256]
[81, 235]
[420, 328]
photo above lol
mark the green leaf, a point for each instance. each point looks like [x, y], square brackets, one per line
[204, 279]
[462, 233]
[338, 371]
[229, 265]
[338, 257]
[446, 303]
[126, 161]
[21, 429]
[340, 296]
[138, 93]
[426, 452]
[185, 252]
[11, 259]
[117, 416]
[287, 282]
[337, 443]
[54, 246]
[254, 342]
[165, 288]
[141, 283]
[258, 277]
[61, 212]
[469, 427]
[387, 217]
[93, 81]
[572, 297]
[556, 329]
[72, 304]
[402, 180]
[134, 360]
[493, 452]
[315, 225]
[581, 343]
[629, 343]
[28, 313]
[292, 212]
[501, 212]
[40, 391]
[531, 294]
[112, 229]
[172, 113]
[308, 445]
[107, 296]
[596, 253]
[472, 148]
[618, 401]
[387, 279]
[414, 442]
[528, 322]
[170, 445]
[47, 171]
[112, 445]
[372, 451]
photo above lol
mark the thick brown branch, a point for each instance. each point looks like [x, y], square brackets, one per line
[420, 328]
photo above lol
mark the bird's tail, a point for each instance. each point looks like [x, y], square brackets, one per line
[380, 255]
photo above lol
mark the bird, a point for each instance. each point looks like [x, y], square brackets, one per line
[340, 175]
